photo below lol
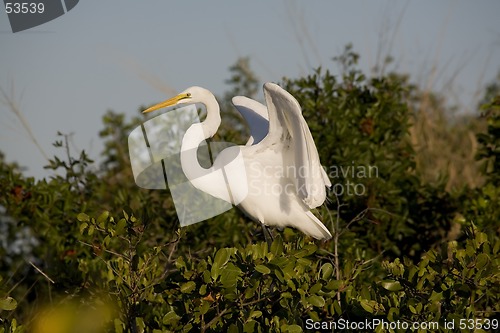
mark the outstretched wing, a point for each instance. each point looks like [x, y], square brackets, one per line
[256, 116]
[286, 123]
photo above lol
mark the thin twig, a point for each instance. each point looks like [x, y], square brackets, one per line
[11, 104]
[205, 326]
[41, 272]
[105, 250]
[336, 243]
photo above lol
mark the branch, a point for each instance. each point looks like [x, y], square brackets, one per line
[41, 272]
[9, 101]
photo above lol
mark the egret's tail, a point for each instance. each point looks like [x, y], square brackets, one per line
[316, 229]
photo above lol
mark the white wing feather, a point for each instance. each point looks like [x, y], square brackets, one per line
[286, 122]
[256, 116]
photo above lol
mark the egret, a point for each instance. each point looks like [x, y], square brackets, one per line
[284, 177]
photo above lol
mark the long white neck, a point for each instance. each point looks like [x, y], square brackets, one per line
[197, 133]
[203, 179]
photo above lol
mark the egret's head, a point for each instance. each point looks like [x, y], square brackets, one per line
[189, 96]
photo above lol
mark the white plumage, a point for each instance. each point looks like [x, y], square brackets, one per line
[284, 177]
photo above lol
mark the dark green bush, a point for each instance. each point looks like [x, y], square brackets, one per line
[94, 245]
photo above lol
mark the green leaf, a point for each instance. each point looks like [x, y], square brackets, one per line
[120, 227]
[250, 290]
[470, 250]
[255, 314]
[250, 326]
[188, 287]
[8, 303]
[334, 285]
[203, 289]
[306, 251]
[82, 217]
[317, 301]
[481, 238]
[277, 246]
[310, 248]
[280, 261]
[294, 329]
[215, 272]
[392, 312]
[180, 263]
[106, 241]
[336, 306]
[481, 260]
[304, 262]
[436, 297]
[205, 306]
[233, 328]
[279, 275]
[314, 289]
[102, 219]
[229, 275]
[262, 269]
[288, 271]
[391, 285]
[326, 271]
[170, 318]
[369, 305]
[83, 226]
[221, 257]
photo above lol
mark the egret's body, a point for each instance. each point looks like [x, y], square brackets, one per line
[284, 178]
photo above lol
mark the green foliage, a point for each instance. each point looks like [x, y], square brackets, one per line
[243, 80]
[247, 288]
[490, 141]
[87, 248]
[361, 129]
[450, 283]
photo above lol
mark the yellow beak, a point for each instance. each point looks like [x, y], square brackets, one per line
[167, 103]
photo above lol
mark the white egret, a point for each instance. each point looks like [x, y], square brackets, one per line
[284, 177]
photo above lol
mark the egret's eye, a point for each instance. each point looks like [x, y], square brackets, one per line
[188, 94]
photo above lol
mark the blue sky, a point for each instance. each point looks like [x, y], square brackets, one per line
[119, 55]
